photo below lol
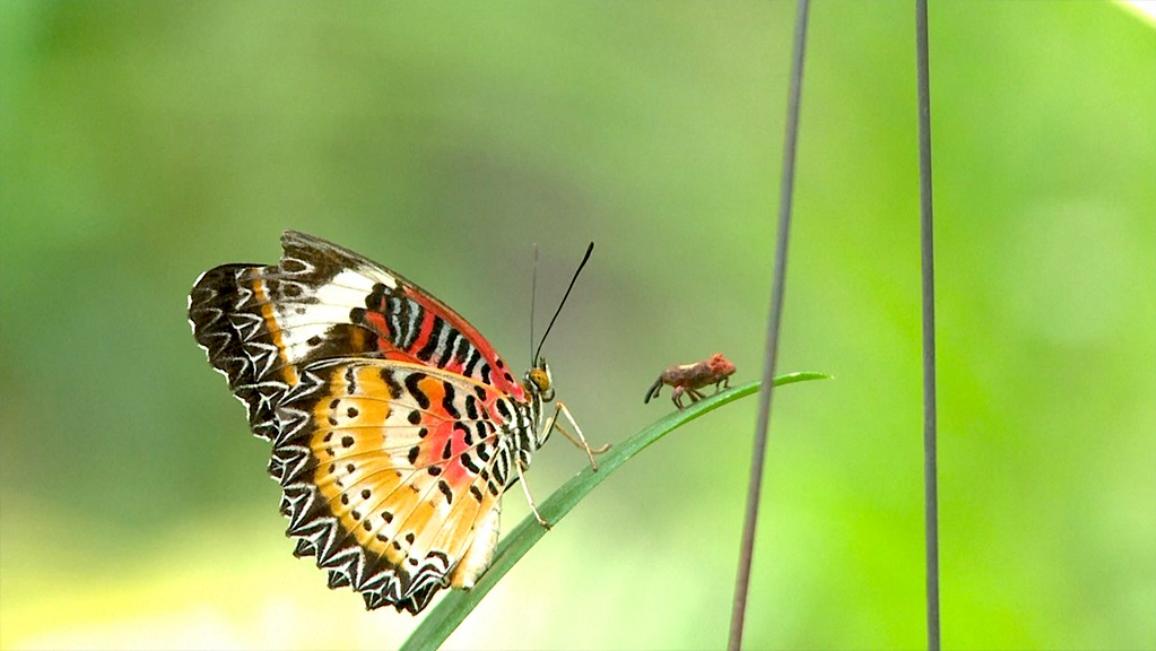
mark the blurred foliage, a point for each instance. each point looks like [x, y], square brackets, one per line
[141, 143]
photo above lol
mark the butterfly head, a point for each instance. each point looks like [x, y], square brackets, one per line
[538, 381]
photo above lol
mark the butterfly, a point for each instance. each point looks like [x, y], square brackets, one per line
[396, 427]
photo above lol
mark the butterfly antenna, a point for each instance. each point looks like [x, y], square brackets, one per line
[533, 296]
[589, 250]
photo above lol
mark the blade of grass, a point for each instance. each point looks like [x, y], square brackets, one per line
[456, 605]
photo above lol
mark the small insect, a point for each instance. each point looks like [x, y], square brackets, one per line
[396, 427]
[689, 378]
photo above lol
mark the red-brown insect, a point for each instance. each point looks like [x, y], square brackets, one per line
[689, 378]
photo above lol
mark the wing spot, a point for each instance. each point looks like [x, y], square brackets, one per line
[448, 400]
[356, 514]
[352, 412]
[476, 493]
[345, 499]
[387, 516]
[504, 409]
[413, 452]
[468, 462]
[445, 489]
[414, 417]
[431, 342]
[365, 493]
[365, 525]
[409, 537]
[473, 362]
[346, 441]
[435, 471]
[412, 383]
[422, 433]
[314, 341]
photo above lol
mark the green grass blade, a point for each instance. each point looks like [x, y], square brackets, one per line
[457, 604]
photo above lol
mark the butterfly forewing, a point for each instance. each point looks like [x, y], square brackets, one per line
[392, 419]
[258, 323]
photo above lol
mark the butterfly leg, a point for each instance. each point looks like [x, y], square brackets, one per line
[676, 397]
[695, 396]
[530, 498]
[579, 441]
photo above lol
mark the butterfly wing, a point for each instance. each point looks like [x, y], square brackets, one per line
[329, 344]
[259, 324]
[392, 473]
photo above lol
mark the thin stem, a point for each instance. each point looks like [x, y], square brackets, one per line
[927, 250]
[786, 193]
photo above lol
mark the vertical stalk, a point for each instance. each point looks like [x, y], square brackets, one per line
[927, 250]
[786, 193]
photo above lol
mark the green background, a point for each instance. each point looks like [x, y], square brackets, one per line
[145, 142]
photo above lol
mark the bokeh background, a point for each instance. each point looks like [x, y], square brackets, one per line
[145, 142]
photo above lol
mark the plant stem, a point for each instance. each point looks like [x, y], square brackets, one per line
[927, 251]
[758, 456]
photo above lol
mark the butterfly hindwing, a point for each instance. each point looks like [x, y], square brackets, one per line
[393, 479]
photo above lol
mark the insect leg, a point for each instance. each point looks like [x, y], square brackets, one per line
[580, 441]
[676, 397]
[695, 396]
[530, 498]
